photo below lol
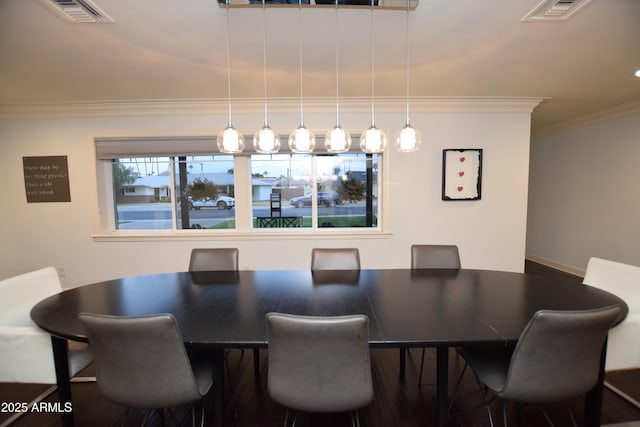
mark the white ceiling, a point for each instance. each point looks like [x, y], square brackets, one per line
[174, 50]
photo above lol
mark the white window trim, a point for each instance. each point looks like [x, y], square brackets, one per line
[104, 223]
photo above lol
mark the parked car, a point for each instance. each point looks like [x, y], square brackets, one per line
[324, 198]
[222, 202]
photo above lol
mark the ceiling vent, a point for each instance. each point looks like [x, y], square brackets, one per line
[79, 11]
[555, 10]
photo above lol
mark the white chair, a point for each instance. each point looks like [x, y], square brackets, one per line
[26, 355]
[623, 345]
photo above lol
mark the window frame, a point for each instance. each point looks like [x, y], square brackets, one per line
[104, 220]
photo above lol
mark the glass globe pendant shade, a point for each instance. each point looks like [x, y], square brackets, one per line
[373, 140]
[266, 141]
[408, 139]
[337, 140]
[302, 140]
[230, 140]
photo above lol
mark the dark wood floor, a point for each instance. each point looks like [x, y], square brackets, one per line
[398, 402]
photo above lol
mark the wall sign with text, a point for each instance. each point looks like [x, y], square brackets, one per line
[46, 179]
[462, 174]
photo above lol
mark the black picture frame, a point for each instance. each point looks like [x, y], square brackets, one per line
[462, 174]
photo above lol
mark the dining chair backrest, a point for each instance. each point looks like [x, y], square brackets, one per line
[622, 280]
[319, 364]
[335, 259]
[18, 294]
[558, 355]
[25, 348]
[214, 259]
[141, 361]
[435, 256]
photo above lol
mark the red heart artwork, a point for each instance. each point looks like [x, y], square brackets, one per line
[460, 188]
[461, 173]
[462, 159]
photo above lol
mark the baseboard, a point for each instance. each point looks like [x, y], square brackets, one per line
[554, 264]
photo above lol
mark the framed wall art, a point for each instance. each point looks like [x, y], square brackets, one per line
[462, 174]
[46, 179]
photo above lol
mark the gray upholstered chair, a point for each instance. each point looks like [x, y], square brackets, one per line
[335, 259]
[141, 362]
[214, 259]
[219, 259]
[556, 358]
[319, 364]
[433, 256]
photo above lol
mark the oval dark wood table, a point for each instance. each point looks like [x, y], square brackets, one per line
[406, 308]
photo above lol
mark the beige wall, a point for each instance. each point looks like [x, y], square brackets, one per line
[490, 233]
[585, 195]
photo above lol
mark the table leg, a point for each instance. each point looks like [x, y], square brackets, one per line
[60, 348]
[218, 378]
[593, 400]
[256, 363]
[442, 384]
[403, 364]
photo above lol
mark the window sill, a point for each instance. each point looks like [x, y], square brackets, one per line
[267, 234]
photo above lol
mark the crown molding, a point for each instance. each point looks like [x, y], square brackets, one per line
[620, 110]
[252, 106]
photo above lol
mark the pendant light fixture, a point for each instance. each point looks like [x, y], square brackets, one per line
[266, 140]
[373, 140]
[229, 139]
[408, 138]
[337, 140]
[301, 140]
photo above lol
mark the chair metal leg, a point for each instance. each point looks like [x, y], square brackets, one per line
[490, 417]
[35, 401]
[421, 366]
[573, 420]
[504, 413]
[455, 391]
[193, 414]
[546, 416]
[622, 394]
[286, 418]
[355, 419]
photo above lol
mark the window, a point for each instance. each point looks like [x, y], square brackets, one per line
[179, 191]
[175, 184]
[315, 191]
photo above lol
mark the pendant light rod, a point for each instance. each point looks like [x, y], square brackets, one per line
[229, 140]
[301, 140]
[372, 40]
[337, 66]
[264, 59]
[406, 58]
[300, 59]
[228, 68]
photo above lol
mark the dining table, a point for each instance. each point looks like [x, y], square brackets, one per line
[407, 308]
